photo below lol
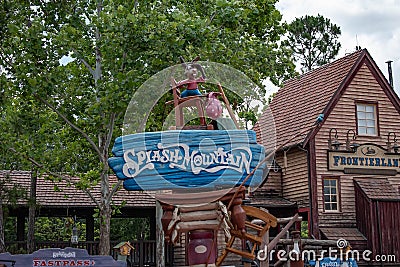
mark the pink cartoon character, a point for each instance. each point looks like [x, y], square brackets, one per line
[213, 107]
[191, 82]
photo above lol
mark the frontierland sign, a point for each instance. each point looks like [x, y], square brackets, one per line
[367, 159]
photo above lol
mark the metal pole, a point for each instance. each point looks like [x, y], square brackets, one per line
[389, 63]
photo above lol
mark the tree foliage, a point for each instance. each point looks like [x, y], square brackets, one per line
[313, 41]
[10, 194]
[63, 118]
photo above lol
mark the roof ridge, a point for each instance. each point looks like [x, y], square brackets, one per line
[298, 103]
[320, 68]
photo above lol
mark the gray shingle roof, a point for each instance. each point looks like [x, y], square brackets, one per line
[377, 188]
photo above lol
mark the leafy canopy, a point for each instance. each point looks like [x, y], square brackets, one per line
[313, 41]
[66, 116]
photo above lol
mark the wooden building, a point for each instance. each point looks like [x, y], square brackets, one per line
[61, 199]
[343, 173]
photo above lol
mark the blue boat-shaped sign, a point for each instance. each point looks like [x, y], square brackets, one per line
[187, 159]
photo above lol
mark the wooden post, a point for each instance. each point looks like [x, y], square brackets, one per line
[264, 244]
[275, 241]
[153, 223]
[20, 227]
[160, 244]
[228, 106]
[89, 227]
[32, 210]
[178, 109]
[2, 239]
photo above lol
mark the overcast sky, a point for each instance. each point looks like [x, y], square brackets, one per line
[371, 24]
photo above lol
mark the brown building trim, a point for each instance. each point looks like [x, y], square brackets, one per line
[366, 58]
[383, 82]
[313, 187]
[337, 95]
[339, 198]
[306, 210]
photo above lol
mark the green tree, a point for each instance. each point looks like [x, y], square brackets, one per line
[129, 229]
[313, 41]
[63, 118]
[58, 229]
[9, 196]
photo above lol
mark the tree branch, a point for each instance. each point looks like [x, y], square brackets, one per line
[97, 71]
[211, 18]
[6, 60]
[62, 177]
[123, 61]
[113, 191]
[110, 133]
[84, 62]
[73, 126]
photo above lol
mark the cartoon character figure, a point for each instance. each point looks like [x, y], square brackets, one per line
[191, 83]
[213, 107]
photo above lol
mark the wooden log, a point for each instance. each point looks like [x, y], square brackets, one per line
[279, 220]
[160, 244]
[228, 106]
[275, 241]
[264, 243]
[286, 220]
[199, 215]
[195, 225]
[201, 207]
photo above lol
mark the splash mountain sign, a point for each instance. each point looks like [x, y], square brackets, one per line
[366, 159]
[187, 159]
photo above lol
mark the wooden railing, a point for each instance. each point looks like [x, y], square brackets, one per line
[20, 246]
[145, 253]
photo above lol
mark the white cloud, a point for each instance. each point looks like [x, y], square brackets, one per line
[372, 24]
[64, 60]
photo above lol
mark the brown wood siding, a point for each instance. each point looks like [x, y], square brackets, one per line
[364, 214]
[179, 253]
[295, 177]
[273, 186]
[389, 225]
[379, 222]
[363, 87]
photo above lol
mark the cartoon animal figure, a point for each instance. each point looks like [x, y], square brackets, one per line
[191, 82]
[213, 107]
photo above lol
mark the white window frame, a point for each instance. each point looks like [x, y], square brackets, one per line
[328, 205]
[367, 119]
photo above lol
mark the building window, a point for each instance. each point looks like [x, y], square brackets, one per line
[331, 195]
[367, 119]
